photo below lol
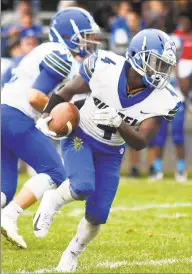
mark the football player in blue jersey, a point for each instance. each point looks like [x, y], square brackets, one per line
[124, 93]
[23, 99]
[178, 138]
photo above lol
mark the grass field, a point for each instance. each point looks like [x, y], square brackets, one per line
[149, 231]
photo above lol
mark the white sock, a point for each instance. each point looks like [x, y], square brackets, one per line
[64, 192]
[86, 232]
[13, 210]
[3, 200]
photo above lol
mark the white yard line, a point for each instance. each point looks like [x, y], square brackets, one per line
[173, 216]
[108, 264]
[77, 211]
[151, 206]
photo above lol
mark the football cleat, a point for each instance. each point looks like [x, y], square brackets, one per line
[157, 176]
[44, 215]
[9, 231]
[181, 177]
[68, 262]
[135, 172]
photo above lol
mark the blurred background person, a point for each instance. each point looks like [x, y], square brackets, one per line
[134, 23]
[26, 45]
[25, 27]
[120, 33]
[66, 4]
[184, 32]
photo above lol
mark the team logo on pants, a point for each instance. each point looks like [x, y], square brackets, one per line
[77, 143]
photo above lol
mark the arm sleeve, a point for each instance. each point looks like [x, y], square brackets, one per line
[54, 68]
[88, 67]
[57, 64]
[46, 81]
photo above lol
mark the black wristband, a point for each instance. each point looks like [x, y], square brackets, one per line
[54, 100]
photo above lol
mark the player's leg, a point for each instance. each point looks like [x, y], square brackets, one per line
[79, 167]
[158, 144]
[38, 151]
[134, 157]
[184, 74]
[9, 167]
[151, 155]
[98, 206]
[178, 140]
[8, 189]
[9, 175]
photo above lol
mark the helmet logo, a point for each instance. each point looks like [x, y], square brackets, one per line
[170, 50]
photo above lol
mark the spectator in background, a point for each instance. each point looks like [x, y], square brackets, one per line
[120, 35]
[13, 18]
[17, 52]
[104, 14]
[184, 32]
[153, 13]
[26, 27]
[13, 50]
[134, 23]
[66, 4]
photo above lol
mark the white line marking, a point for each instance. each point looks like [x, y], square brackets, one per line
[151, 206]
[173, 216]
[108, 264]
[78, 211]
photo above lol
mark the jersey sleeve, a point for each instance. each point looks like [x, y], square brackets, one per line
[177, 102]
[57, 64]
[54, 68]
[88, 67]
[173, 112]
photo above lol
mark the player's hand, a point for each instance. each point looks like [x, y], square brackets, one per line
[107, 116]
[42, 125]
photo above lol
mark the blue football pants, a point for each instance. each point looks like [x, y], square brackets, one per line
[93, 171]
[21, 139]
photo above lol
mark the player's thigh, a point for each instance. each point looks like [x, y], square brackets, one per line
[9, 172]
[79, 165]
[40, 153]
[160, 138]
[107, 169]
[178, 126]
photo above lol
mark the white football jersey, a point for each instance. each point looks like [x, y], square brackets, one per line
[106, 75]
[53, 58]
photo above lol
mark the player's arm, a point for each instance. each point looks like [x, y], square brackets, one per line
[141, 138]
[54, 68]
[79, 85]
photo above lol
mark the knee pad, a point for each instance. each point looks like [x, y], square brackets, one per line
[3, 200]
[39, 184]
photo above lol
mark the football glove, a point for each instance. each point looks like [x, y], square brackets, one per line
[42, 125]
[107, 116]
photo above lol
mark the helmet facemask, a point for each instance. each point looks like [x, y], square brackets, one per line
[155, 68]
[85, 42]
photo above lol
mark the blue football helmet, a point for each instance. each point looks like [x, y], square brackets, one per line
[152, 54]
[76, 29]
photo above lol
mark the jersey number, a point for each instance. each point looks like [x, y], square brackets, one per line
[108, 131]
[108, 61]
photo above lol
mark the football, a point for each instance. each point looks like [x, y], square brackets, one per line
[65, 118]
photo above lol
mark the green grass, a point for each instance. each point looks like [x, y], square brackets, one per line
[131, 236]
